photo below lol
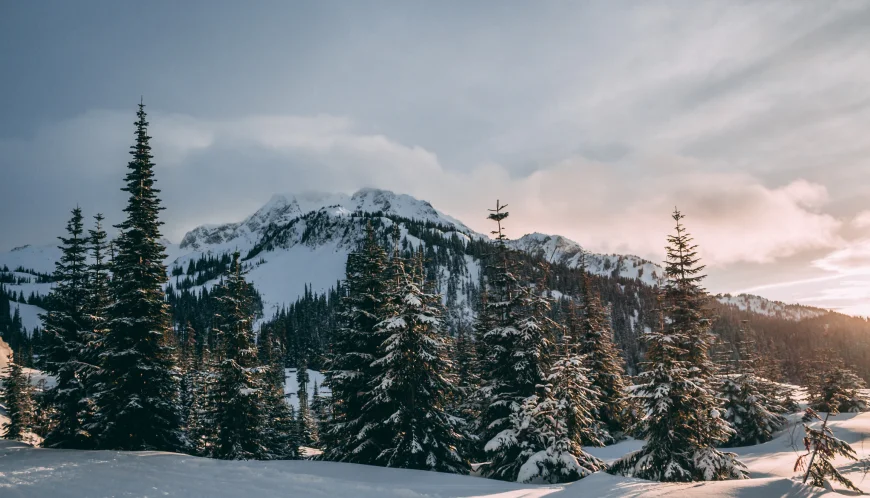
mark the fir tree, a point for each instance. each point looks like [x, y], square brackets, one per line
[137, 395]
[65, 353]
[354, 348]
[17, 399]
[565, 418]
[517, 360]
[413, 382]
[747, 408]
[238, 412]
[838, 390]
[681, 423]
[822, 447]
[604, 363]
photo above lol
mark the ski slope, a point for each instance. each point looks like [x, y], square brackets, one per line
[42, 473]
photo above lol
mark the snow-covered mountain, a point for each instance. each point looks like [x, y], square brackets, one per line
[299, 240]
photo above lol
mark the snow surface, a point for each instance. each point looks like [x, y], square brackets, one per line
[43, 473]
[29, 315]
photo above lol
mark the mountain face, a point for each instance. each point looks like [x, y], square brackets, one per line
[298, 244]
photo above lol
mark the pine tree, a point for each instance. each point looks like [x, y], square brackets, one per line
[239, 415]
[564, 416]
[604, 363]
[65, 353]
[746, 406]
[838, 390]
[414, 381]
[17, 399]
[137, 395]
[354, 348]
[200, 424]
[822, 447]
[681, 425]
[517, 349]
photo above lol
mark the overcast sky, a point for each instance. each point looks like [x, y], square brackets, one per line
[591, 119]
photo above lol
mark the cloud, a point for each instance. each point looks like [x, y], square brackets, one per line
[221, 170]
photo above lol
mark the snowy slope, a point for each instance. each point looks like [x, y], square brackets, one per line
[558, 249]
[304, 239]
[762, 306]
[43, 473]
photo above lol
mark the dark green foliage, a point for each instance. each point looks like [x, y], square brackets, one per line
[681, 425]
[414, 379]
[838, 390]
[137, 395]
[354, 348]
[604, 362]
[16, 395]
[240, 416]
[67, 335]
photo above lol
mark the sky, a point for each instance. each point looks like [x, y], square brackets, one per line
[592, 120]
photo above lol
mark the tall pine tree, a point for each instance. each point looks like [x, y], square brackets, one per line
[239, 414]
[682, 424]
[354, 348]
[137, 396]
[414, 381]
[604, 363]
[67, 331]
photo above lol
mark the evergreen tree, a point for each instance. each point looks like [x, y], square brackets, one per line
[822, 447]
[604, 364]
[746, 406]
[745, 412]
[838, 390]
[517, 364]
[682, 424]
[414, 381]
[137, 395]
[564, 418]
[354, 348]
[16, 396]
[65, 353]
[200, 423]
[239, 414]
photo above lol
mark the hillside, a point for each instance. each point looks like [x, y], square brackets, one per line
[296, 245]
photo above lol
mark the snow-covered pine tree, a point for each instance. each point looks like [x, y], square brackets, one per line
[604, 362]
[15, 393]
[137, 394]
[517, 365]
[822, 447]
[681, 423]
[745, 405]
[564, 420]
[838, 390]
[96, 308]
[413, 379]
[239, 413]
[320, 409]
[66, 337]
[354, 347]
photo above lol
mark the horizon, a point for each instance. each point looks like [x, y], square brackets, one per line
[591, 121]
